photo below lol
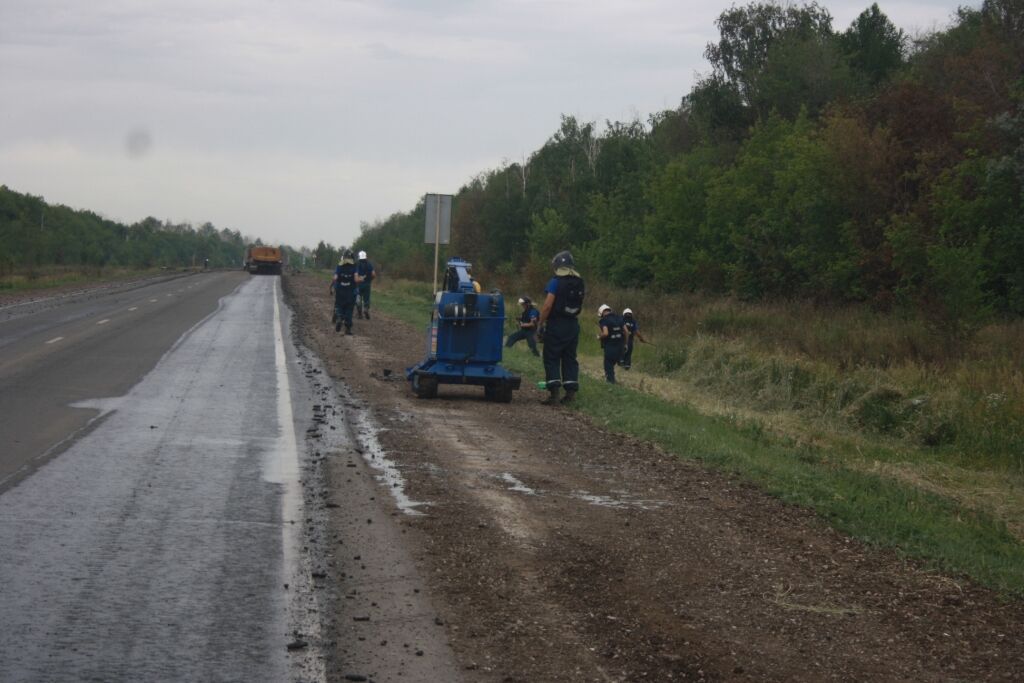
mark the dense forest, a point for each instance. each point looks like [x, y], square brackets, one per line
[35, 234]
[838, 166]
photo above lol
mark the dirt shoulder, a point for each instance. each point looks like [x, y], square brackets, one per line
[554, 550]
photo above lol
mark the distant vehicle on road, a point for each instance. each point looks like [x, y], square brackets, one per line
[264, 260]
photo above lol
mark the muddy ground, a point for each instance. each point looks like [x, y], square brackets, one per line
[556, 551]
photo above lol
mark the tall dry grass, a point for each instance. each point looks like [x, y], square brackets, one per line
[850, 368]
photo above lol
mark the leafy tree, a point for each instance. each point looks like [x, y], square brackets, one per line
[874, 46]
[717, 109]
[549, 234]
[325, 256]
[612, 252]
[674, 241]
[748, 35]
[801, 73]
[38, 234]
[807, 164]
[863, 177]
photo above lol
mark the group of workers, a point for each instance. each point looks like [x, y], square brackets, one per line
[556, 326]
[351, 286]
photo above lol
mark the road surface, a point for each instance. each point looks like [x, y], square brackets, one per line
[155, 484]
[52, 356]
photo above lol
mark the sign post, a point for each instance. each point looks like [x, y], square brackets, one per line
[438, 225]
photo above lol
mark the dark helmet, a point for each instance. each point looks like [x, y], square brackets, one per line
[563, 259]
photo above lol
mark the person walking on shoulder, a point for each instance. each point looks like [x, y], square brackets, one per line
[527, 326]
[367, 273]
[560, 330]
[629, 321]
[613, 339]
[346, 280]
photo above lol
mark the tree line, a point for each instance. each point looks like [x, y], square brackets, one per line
[854, 165]
[34, 233]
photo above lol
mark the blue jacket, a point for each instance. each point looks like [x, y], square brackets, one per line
[345, 283]
[366, 271]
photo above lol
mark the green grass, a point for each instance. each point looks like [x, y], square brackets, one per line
[870, 507]
[49, 277]
[832, 475]
[408, 301]
[851, 368]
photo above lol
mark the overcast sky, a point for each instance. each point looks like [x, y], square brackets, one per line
[295, 121]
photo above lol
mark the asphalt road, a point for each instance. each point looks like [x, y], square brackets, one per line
[93, 347]
[155, 543]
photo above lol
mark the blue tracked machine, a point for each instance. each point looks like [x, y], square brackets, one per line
[464, 341]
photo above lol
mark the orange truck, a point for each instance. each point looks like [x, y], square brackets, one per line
[267, 260]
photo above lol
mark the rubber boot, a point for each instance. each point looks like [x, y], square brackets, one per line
[366, 314]
[569, 397]
[552, 398]
[337, 325]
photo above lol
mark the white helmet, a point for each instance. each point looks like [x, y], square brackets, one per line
[362, 256]
[627, 311]
[602, 309]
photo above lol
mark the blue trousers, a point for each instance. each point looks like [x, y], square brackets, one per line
[528, 335]
[612, 356]
[364, 294]
[343, 311]
[627, 357]
[561, 369]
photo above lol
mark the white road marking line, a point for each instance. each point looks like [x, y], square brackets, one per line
[152, 301]
[170, 295]
[134, 308]
[287, 464]
[104, 321]
[54, 340]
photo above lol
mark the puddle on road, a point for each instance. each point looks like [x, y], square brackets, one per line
[376, 457]
[618, 503]
[103, 405]
[516, 485]
[332, 431]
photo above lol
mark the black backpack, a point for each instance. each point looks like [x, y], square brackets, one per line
[569, 299]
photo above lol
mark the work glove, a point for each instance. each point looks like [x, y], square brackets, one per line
[540, 336]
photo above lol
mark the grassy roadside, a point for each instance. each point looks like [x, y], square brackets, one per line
[875, 489]
[45, 278]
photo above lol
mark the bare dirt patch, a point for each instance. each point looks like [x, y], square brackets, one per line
[555, 550]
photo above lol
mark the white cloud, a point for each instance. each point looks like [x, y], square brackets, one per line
[297, 198]
[297, 120]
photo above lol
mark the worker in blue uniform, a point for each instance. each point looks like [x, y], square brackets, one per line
[613, 339]
[632, 326]
[367, 273]
[560, 329]
[344, 283]
[527, 326]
